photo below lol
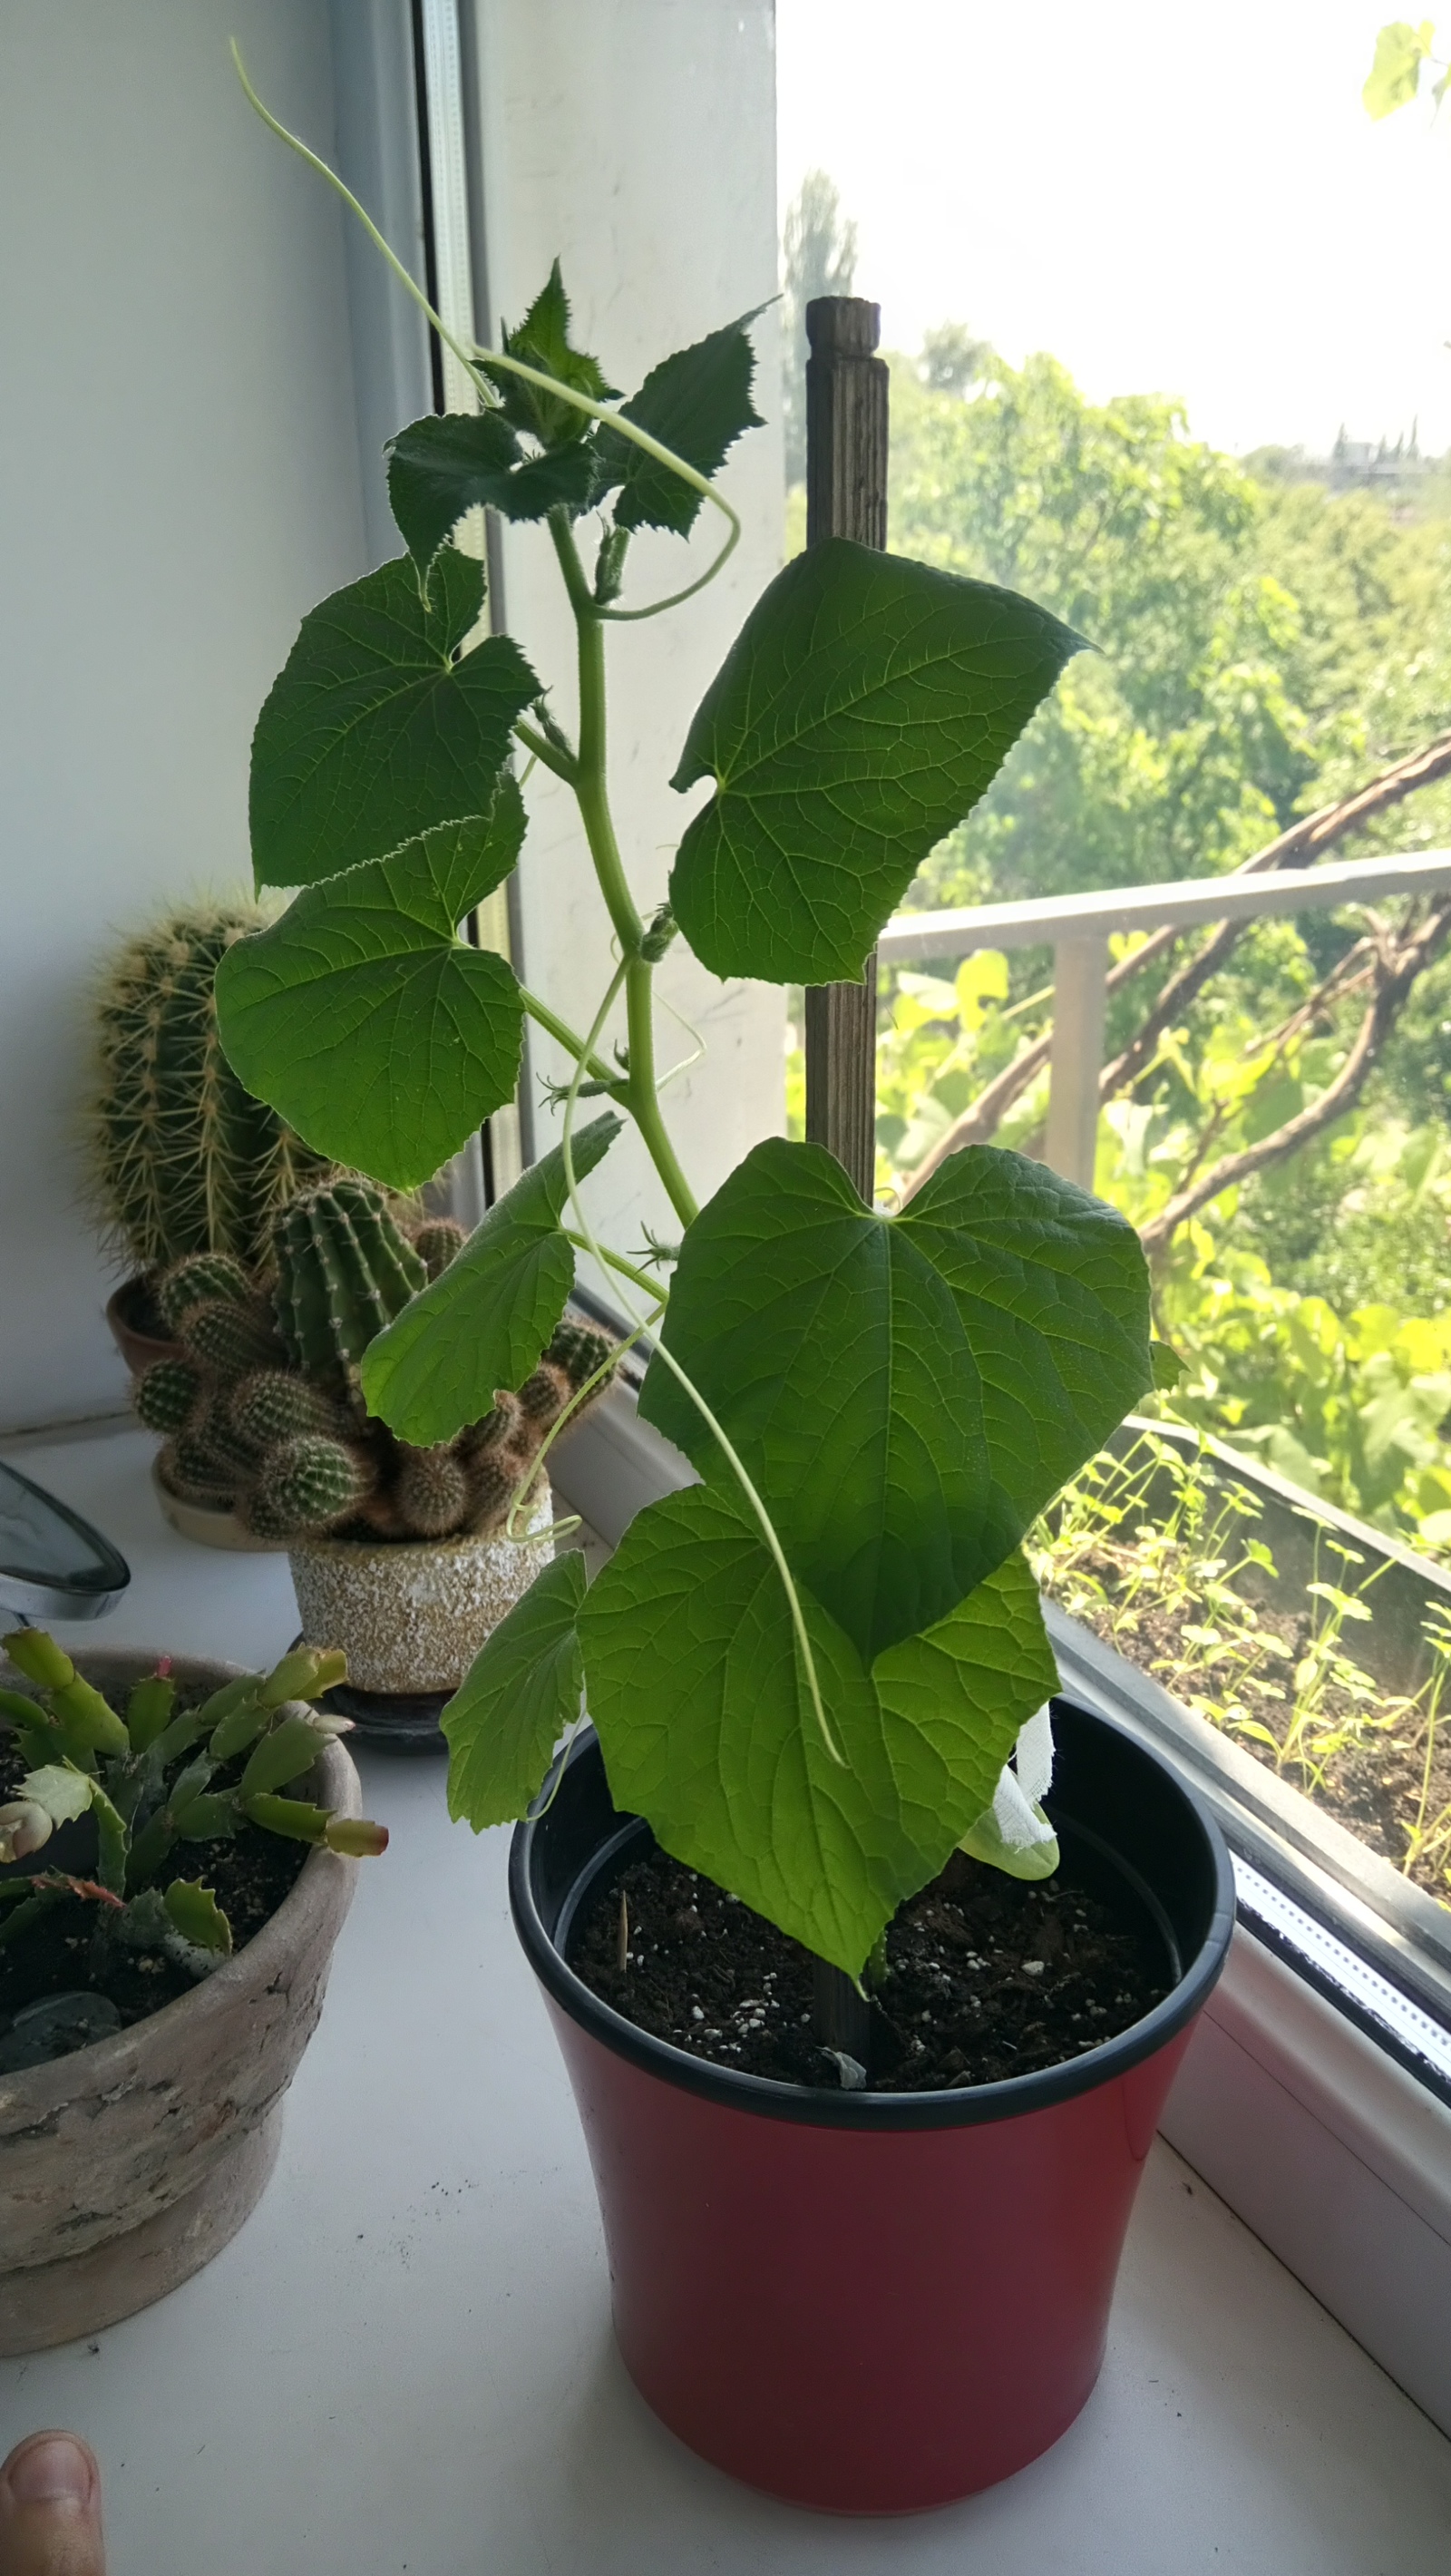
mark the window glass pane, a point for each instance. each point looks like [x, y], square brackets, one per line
[1099, 397]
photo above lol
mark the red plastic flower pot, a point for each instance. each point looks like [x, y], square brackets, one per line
[876, 2302]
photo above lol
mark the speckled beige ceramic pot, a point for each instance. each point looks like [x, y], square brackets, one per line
[412, 1616]
[127, 2165]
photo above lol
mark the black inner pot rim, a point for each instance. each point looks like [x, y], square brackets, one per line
[1010, 2097]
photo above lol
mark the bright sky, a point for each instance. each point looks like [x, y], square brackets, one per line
[1170, 199]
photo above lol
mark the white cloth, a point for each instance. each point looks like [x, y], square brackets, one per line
[1023, 1785]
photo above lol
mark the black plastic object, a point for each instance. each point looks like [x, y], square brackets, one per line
[405, 1720]
[53, 1565]
[1116, 1806]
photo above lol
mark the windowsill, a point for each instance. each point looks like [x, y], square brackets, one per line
[404, 2360]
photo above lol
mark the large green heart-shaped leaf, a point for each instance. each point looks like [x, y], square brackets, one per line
[450, 462]
[694, 1681]
[697, 403]
[374, 732]
[388, 1039]
[907, 1392]
[484, 1321]
[519, 1695]
[861, 712]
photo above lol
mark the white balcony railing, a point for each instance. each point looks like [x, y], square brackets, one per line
[1078, 928]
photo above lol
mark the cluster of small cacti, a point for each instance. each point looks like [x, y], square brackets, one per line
[263, 1413]
[156, 1777]
[182, 1159]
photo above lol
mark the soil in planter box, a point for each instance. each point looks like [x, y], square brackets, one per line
[990, 1977]
[61, 1954]
[1376, 1782]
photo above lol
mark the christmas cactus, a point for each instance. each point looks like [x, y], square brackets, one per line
[159, 1778]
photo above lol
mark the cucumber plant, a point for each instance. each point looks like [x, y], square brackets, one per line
[809, 1669]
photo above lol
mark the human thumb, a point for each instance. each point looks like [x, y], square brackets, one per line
[50, 2509]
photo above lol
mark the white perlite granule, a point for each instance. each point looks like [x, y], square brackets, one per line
[412, 1617]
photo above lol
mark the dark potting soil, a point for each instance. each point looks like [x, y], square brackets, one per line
[989, 1976]
[66, 1951]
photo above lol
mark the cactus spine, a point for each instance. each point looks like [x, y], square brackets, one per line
[165, 1394]
[344, 1270]
[273, 1406]
[578, 1350]
[226, 1341]
[226, 1330]
[436, 1242]
[200, 1280]
[432, 1495]
[498, 1451]
[309, 1484]
[182, 1159]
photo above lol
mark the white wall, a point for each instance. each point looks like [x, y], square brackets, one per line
[180, 481]
[636, 138]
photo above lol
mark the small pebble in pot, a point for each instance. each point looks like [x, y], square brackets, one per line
[1032, 1967]
[695, 2013]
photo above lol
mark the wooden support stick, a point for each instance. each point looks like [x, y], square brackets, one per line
[846, 496]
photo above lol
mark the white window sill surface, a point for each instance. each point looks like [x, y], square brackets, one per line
[404, 2360]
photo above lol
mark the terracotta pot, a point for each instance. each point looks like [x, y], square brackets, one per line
[411, 1616]
[208, 1524]
[127, 2165]
[138, 1349]
[875, 2303]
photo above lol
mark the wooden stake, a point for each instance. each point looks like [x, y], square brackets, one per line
[846, 496]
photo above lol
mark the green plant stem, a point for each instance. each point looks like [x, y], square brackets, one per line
[644, 1096]
[626, 1269]
[591, 788]
[572, 1043]
[590, 781]
[548, 753]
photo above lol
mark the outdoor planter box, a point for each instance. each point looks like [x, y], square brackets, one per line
[1391, 1644]
[1268, 1819]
